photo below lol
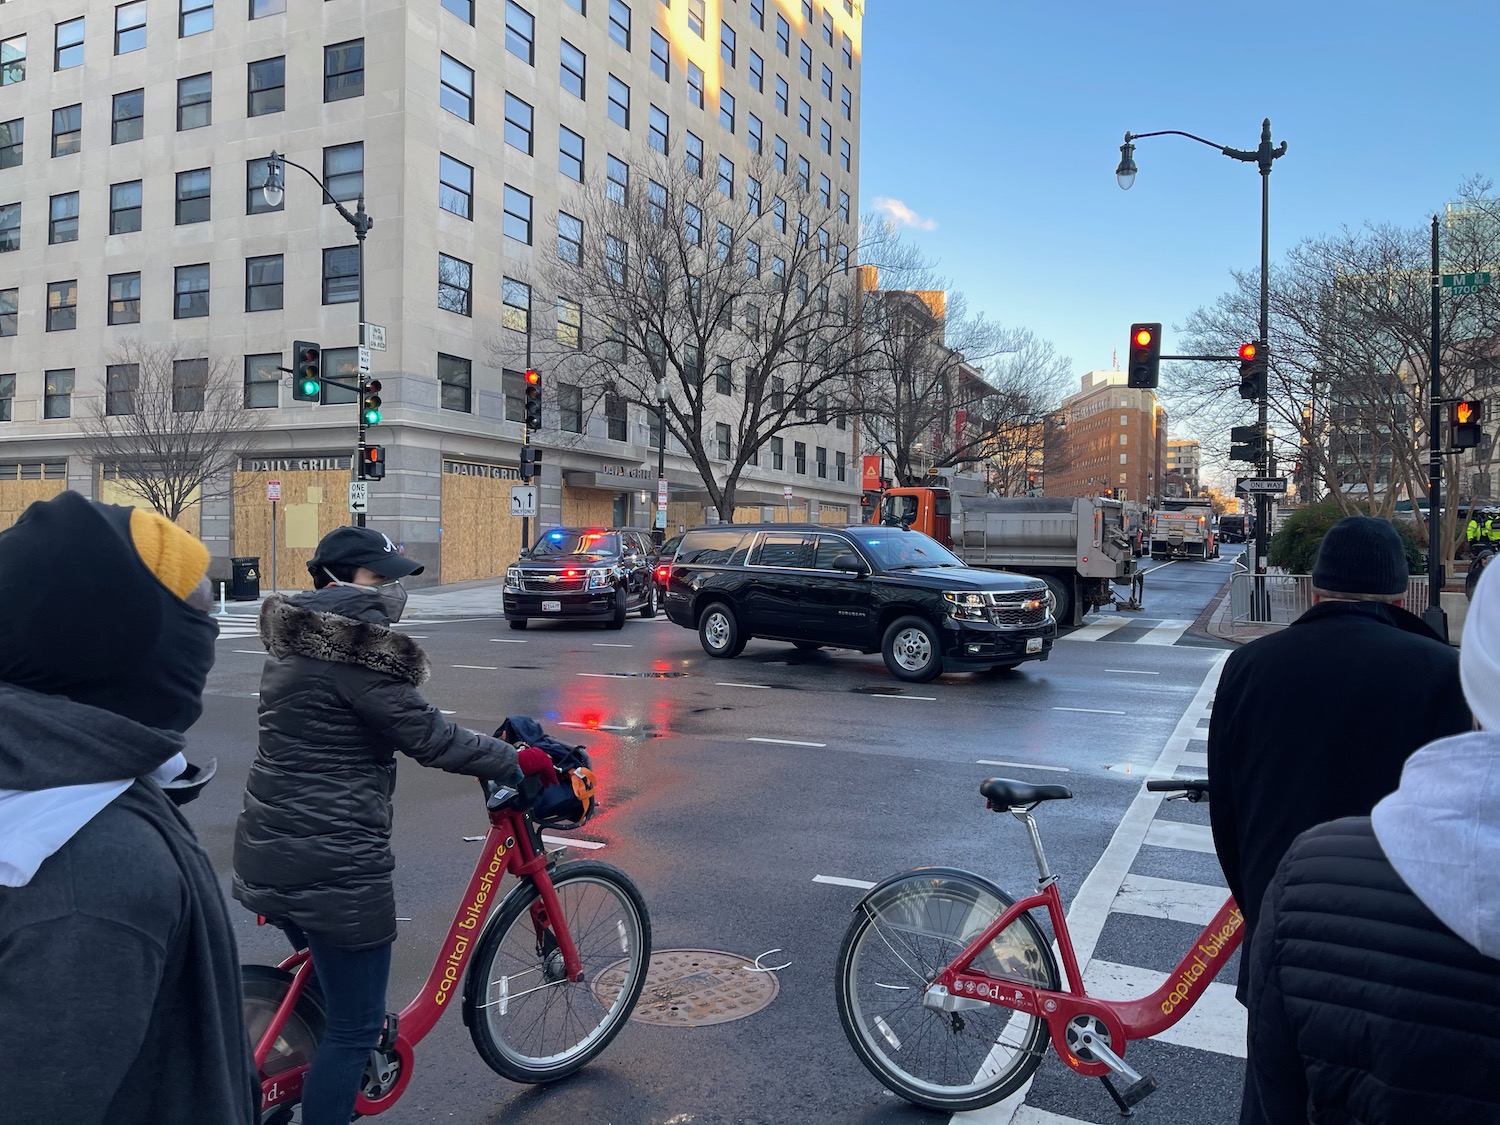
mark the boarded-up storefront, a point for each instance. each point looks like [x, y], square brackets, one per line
[480, 536]
[112, 490]
[22, 483]
[314, 501]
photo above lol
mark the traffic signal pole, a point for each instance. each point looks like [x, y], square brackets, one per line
[1433, 614]
[361, 223]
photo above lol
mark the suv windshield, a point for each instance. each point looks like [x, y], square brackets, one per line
[892, 549]
[575, 541]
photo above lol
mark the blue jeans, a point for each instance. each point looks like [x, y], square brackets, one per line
[353, 987]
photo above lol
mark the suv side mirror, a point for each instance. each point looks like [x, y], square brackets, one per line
[850, 561]
[526, 552]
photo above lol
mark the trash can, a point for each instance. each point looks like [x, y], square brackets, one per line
[244, 581]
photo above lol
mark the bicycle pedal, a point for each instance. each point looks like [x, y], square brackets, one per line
[1138, 1092]
[389, 1032]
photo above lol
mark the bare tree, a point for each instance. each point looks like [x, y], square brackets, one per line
[167, 425]
[737, 296]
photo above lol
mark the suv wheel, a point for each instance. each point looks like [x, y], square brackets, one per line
[912, 651]
[648, 610]
[719, 632]
[618, 620]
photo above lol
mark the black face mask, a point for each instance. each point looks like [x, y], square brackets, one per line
[391, 593]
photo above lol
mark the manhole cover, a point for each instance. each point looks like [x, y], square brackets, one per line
[693, 987]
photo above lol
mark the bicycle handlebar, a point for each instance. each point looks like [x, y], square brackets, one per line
[1194, 788]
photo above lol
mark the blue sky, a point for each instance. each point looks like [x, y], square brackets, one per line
[999, 123]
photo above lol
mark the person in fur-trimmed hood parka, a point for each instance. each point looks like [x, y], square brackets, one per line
[312, 848]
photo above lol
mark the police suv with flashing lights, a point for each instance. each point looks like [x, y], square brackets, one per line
[582, 574]
[872, 589]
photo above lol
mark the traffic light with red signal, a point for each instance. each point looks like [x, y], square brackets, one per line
[533, 400]
[1464, 417]
[1253, 364]
[1145, 356]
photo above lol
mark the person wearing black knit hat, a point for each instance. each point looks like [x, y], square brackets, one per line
[1314, 722]
[119, 978]
[312, 848]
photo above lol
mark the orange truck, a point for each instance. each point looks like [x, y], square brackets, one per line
[1078, 545]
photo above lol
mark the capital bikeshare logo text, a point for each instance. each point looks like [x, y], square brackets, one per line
[468, 921]
[1209, 950]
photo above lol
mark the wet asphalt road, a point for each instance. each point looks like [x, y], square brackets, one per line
[729, 786]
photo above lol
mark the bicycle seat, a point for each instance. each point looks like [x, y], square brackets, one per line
[1002, 793]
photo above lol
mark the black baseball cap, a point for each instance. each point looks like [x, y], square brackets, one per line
[362, 546]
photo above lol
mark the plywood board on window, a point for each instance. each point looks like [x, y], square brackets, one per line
[18, 495]
[833, 517]
[116, 492]
[588, 507]
[312, 504]
[480, 536]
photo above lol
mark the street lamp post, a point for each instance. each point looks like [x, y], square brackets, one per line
[659, 532]
[1263, 157]
[274, 191]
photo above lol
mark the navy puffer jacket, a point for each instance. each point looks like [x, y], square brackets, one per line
[338, 698]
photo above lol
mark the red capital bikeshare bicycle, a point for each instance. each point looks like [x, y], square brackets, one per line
[545, 980]
[949, 992]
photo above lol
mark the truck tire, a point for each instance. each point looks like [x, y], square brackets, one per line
[1063, 592]
[912, 650]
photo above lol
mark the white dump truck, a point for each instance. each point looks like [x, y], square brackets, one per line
[1078, 545]
[1184, 529]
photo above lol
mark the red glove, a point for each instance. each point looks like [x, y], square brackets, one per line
[536, 761]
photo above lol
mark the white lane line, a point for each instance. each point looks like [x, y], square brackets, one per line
[1097, 629]
[1215, 1023]
[839, 881]
[1151, 897]
[417, 636]
[1132, 672]
[1195, 758]
[757, 687]
[1176, 834]
[786, 742]
[1167, 633]
[602, 675]
[890, 695]
[1023, 765]
[1089, 710]
[1163, 566]
[507, 640]
[250, 651]
[611, 644]
[563, 841]
[478, 667]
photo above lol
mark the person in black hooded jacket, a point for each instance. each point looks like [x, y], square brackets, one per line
[312, 849]
[119, 980]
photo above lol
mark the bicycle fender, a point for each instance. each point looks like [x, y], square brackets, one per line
[954, 873]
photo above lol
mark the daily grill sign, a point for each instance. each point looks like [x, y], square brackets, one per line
[478, 469]
[295, 464]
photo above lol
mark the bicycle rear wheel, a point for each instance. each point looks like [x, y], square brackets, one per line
[901, 937]
[529, 1022]
[264, 988]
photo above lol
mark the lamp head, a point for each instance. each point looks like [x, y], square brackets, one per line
[272, 190]
[1125, 173]
[662, 393]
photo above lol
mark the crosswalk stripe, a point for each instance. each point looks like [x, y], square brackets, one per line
[1215, 1023]
[1195, 759]
[1150, 897]
[1166, 633]
[1097, 629]
[1176, 834]
[1030, 1115]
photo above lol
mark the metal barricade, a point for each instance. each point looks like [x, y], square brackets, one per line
[1288, 596]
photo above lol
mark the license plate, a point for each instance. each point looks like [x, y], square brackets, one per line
[556, 607]
[1033, 644]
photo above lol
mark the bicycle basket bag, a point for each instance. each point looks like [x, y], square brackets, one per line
[571, 802]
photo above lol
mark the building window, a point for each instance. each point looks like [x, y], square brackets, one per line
[456, 89]
[12, 60]
[193, 190]
[696, 17]
[58, 396]
[341, 363]
[783, 35]
[190, 290]
[661, 56]
[340, 275]
[804, 173]
[616, 258]
[757, 73]
[820, 462]
[12, 136]
[194, 17]
[825, 190]
[726, 177]
[124, 298]
[262, 8]
[520, 32]
[693, 154]
[844, 154]
[125, 207]
[62, 307]
[344, 170]
[752, 268]
[67, 130]
[344, 70]
[806, 59]
[263, 381]
[455, 383]
[455, 282]
[721, 440]
[758, 13]
[783, 96]
[515, 305]
[847, 104]
[256, 172]
[517, 223]
[62, 222]
[727, 43]
[569, 153]
[120, 383]
[778, 154]
[619, 102]
[513, 386]
[128, 116]
[695, 84]
[463, 9]
[656, 130]
[455, 186]
[130, 27]
[189, 379]
[724, 246]
[827, 82]
[723, 377]
[804, 116]
[692, 224]
[263, 283]
[619, 22]
[726, 110]
[799, 457]
[572, 70]
[616, 417]
[778, 214]
[68, 47]
[778, 460]
[753, 131]
[570, 408]
[195, 102]
[825, 133]
[518, 124]
[569, 238]
[267, 86]
[10, 306]
[844, 206]
[7, 382]
[848, 52]
[569, 323]
[841, 465]
[616, 179]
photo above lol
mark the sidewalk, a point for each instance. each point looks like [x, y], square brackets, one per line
[479, 598]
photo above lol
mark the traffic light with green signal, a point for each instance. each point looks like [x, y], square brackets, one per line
[369, 410]
[1145, 356]
[307, 371]
[1253, 363]
[533, 400]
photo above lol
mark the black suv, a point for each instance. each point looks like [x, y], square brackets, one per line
[873, 589]
[582, 574]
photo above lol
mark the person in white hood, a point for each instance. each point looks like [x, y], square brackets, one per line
[1375, 976]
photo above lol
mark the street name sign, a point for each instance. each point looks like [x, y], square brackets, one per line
[273, 490]
[359, 496]
[375, 336]
[1464, 284]
[523, 500]
[1264, 484]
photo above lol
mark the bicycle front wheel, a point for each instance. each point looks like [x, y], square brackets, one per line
[529, 1022]
[901, 937]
